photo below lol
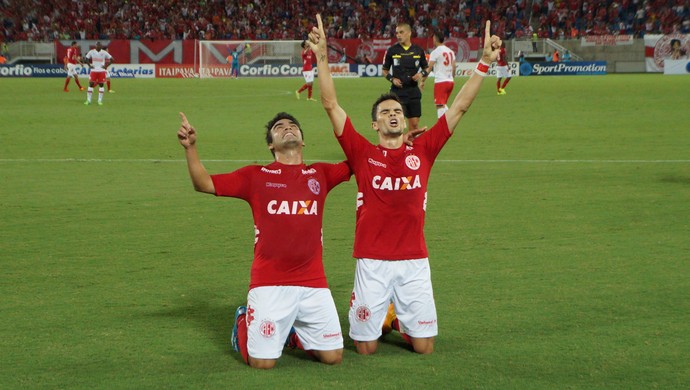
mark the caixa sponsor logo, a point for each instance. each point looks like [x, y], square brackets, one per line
[16, 71]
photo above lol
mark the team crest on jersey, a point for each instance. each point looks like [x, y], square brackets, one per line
[314, 186]
[413, 162]
[362, 313]
[267, 328]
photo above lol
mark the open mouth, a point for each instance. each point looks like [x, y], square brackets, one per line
[393, 122]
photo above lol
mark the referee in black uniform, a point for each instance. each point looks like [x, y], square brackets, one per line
[405, 67]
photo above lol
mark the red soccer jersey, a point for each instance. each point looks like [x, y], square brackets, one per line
[392, 185]
[501, 60]
[287, 203]
[307, 60]
[72, 54]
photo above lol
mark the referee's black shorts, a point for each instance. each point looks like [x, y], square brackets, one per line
[411, 100]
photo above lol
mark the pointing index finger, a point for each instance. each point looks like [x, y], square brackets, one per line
[184, 118]
[319, 23]
[487, 34]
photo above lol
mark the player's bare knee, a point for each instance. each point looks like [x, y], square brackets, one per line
[423, 346]
[332, 357]
[366, 347]
[262, 364]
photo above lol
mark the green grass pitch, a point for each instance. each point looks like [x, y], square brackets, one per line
[558, 226]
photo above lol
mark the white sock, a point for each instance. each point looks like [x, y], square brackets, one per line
[89, 92]
[100, 94]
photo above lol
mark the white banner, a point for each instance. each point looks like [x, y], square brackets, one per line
[606, 40]
[465, 69]
[677, 67]
[659, 48]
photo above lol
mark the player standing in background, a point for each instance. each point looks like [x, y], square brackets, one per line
[502, 71]
[405, 67]
[442, 62]
[107, 76]
[392, 258]
[307, 71]
[72, 58]
[288, 286]
[234, 60]
[98, 60]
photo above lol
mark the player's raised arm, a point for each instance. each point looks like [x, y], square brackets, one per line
[318, 44]
[464, 98]
[197, 172]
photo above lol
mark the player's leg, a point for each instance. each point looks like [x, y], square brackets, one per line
[89, 91]
[442, 92]
[67, 83]
[101, 89]
[271, 311]
[76, 80]
[371, 296]
[317, 326]
[498, 85]
[415, 306]
[414, 111]
[505, 83]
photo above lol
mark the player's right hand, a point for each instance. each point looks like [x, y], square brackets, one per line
[317, 38]
[186, 134]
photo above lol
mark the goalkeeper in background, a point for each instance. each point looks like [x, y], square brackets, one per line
[234, 60]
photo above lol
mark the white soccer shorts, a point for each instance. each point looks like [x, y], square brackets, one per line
[273, 310]
[308, 76]
[72, 70]
[502, 72]
[405, 283]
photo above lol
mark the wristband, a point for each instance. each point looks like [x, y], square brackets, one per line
[481, 68]
[424, 73]
[389, 77]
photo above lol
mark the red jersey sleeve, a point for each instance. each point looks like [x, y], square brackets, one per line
[234, 184]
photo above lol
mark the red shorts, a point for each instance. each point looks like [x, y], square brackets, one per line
[442, 92]
[97, 77]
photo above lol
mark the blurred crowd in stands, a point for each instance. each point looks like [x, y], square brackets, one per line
[48, 20]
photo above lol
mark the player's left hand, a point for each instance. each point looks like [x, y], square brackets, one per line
[409, 137]
[492, 45]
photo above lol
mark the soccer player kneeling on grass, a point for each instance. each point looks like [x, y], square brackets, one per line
[392, 258]
[288, 297]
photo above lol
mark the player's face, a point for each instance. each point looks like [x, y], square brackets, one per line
[403, 34]
[285, 134]
[390, 118]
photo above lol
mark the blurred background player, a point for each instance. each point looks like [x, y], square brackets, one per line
[405, 67]
[288, 288]
[502, 71]
[442, 62]
[98, 60]
[72, 58]
[307, 71]
[234, 60]
[107, 76]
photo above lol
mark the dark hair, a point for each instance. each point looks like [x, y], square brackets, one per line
[439, 36]
[303, 44]
[74, 43]
[382, 98]
[673, 41]
[279, 116]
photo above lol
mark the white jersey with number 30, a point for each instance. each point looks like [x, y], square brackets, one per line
[443, 59]
[98, 59]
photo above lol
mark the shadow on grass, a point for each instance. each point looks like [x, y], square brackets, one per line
[215, 319]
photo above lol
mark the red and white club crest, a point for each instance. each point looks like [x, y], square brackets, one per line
[314, 186]
[363, 314]
[413, 162]
[267, 328]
